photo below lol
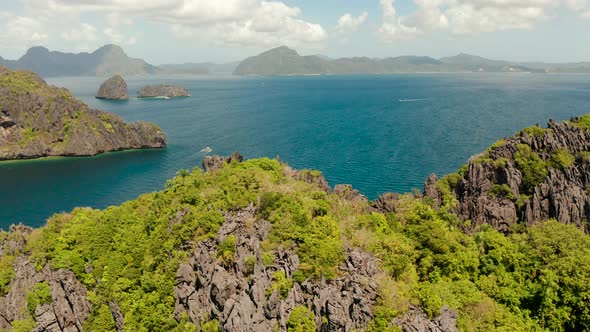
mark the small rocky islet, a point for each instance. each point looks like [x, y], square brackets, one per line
[39, 120]
[115, 88]
[162, 91]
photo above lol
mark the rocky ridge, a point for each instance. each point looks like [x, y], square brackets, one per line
[538, 174]
[114, 88]
[38, 120]
[168, 91]
[239, 293]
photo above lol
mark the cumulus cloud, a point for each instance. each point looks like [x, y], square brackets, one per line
[246, 22]
[471, 16]
[85, 32]
[19, 31]
[349, 23]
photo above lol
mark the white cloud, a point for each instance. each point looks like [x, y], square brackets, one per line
[19, 32]
[349, 23]
[85, 32]
[471, 16]
[245, 22]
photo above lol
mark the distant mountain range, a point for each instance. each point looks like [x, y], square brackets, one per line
[105, 61]
[111, 59]
[285, 61]
[202, 68]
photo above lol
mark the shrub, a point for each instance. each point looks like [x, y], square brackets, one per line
[301, 319]
[226, 250]
[562, 159]
[535, 131]
[501, 191]
[6, 273]
[532, 167]
[281, 283]
[39, 295]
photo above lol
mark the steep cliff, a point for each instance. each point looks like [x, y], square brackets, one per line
[538, 174]
[38, 120]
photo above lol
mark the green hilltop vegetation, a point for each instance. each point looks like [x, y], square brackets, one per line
[533, 279]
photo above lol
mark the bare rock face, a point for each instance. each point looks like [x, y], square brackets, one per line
[213, 163]
[114, 88]
[415, 320]
[38, 120]
[237, 295]
[347, 192]
[168, 91]
[68, 308]
[536, 175]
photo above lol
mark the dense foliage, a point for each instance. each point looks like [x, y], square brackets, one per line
[532, 280]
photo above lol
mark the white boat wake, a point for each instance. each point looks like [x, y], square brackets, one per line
[412, 100]
[206, 150]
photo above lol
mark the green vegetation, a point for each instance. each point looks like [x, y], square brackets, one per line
[533, 168]
[28, 134]
[20, 82]
[562, 159]
[446, 185]
[6, 272]
[301, 319]
[226, 250]
[40, 294]
[534, 279]
[535, 131]
[501, 191]
[583, 122]
[281, 283]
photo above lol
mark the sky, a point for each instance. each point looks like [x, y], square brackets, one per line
[179, 31]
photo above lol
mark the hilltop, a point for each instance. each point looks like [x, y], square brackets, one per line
[105, 61]
[38, 120]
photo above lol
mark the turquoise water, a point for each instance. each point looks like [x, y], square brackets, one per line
[353, 128]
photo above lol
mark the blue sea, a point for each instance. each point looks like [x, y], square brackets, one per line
[379, 133]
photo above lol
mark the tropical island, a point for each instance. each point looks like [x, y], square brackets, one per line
[115, 88]
[256, 245]
[162, 91]
[38, 120]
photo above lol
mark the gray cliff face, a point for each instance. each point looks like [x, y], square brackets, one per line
[68, 308]
[114, 88]
[536, 175]
[169, 91]
[237, 294]
[37, 120]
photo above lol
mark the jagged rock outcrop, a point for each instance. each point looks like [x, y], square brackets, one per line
[38, 120]
[347, 192]
[114, 88]
[168, 91]
[68, 308]
[237, 295]
[416, 320]
[539, 174]
[213, 163]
